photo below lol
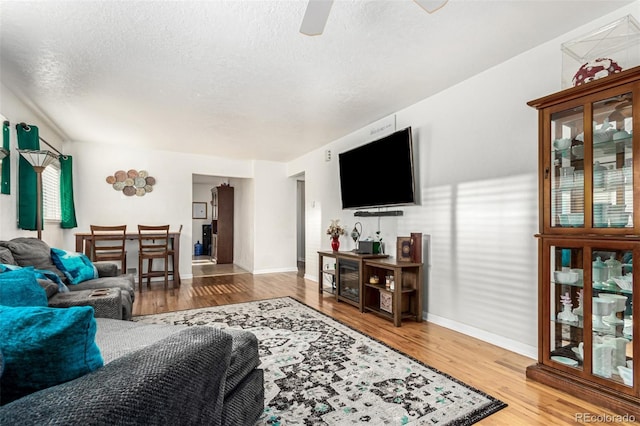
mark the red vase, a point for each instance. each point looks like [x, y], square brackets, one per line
[335, 243]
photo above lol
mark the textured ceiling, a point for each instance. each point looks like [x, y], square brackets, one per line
[236, 78]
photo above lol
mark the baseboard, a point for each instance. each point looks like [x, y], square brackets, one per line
[274, 270]
[494, 339]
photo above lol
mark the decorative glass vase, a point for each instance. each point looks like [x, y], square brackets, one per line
[335, 243]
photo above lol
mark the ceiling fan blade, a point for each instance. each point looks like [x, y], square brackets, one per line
[431, 5]
[315, 17]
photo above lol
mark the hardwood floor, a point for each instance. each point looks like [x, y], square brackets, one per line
[493, 370]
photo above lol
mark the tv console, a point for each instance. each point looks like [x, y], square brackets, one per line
[348, 276]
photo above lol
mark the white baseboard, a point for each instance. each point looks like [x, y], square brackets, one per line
[494, 339]
[274, 270]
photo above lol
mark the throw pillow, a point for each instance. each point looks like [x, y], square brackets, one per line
[4, 267]
[29, 251]
[21, 288]
[75, 266]
[43, 347]
[42, 275]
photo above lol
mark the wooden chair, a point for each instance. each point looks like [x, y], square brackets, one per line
[153, 244]
[108, 244]
[172, 253]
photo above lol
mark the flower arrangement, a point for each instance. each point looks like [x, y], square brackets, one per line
[335, 229]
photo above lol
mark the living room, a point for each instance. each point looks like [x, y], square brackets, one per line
[479, 207]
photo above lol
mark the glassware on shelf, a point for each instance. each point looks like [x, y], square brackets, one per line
[601, 308]
[598, 174]
[600, 214]
[614, 266]
[602, 355]
[600, 273]
[579, 310]
[566, 314]
[619, 305]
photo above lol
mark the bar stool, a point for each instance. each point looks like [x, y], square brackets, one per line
[153, 244]
[108, 244]
[172, 253]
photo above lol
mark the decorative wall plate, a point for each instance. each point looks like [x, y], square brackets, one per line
[132, 182]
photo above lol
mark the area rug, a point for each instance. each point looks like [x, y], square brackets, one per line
[319, 371]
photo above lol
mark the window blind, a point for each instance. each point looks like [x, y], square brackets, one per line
[51, 193]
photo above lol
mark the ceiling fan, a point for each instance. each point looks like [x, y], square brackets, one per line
[317, 13]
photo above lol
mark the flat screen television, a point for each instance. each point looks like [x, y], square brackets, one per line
[379, 173]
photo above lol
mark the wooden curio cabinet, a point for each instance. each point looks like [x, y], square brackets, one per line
[589, 183]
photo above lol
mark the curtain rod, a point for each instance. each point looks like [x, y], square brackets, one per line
[27, 128]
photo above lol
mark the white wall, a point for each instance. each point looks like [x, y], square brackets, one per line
[275, 198]
[170, 201]
[477, 159]
[244, 230]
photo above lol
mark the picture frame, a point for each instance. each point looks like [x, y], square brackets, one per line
[199, 210]
[403, 249]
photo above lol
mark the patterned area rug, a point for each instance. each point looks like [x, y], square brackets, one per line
[319, 371]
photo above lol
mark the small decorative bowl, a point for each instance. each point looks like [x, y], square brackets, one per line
[620, 301]
[562, 143]
[566, 277]
[576, 219]
[619, 220]
[625, 283]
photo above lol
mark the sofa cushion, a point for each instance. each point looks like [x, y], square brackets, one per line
[75, 266]
[118, 338]
[123, 282]
[43, 347]
[21, 288]
[32, 252]
[6, 257]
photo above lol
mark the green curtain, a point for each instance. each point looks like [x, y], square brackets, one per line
[67, 206]
[27, 183]
[5, 179]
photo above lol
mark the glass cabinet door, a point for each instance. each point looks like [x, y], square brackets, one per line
[567, 161]
[349, 280]
[566, 298]
[611, 308]
[610, 348]
[613, 162]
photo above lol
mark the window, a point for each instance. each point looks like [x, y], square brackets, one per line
[51, 193]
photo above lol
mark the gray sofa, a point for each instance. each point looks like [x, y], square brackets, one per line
[155, 375]
[34, 252]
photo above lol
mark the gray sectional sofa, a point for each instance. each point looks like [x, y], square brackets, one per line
[155, 375]
[27, 251]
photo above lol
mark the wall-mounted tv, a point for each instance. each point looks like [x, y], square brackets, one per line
[379, 173]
